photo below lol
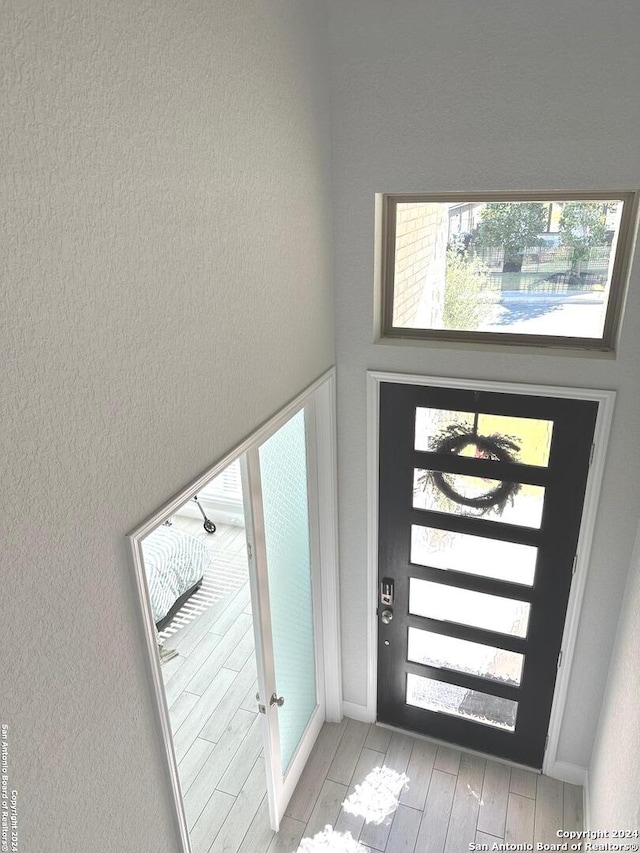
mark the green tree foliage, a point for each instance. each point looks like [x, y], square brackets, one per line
[515, 225]
[582, 225]
[467, 292]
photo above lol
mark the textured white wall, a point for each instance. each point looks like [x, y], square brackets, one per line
[502, 95]
[614, 780]
[166, 288]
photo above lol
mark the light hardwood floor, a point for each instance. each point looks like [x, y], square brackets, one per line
[364, 787]
[210, 688]
[396, 793]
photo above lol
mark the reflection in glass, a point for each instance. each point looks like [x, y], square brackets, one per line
[523, 508]
[460, 702]
[473, 555]
[445, 652]
[532, 435]
[466, 607]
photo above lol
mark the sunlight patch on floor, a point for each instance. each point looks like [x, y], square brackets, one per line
[375, 800]
[330, 841]
[377, 797]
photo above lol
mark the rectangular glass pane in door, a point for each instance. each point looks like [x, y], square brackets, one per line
[460, 702]
[283, 469]
[531, 436]
[473, 555]
[524, 508]
[452, 653]
[466, 607]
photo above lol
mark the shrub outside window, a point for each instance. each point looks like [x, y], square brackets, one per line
[545, 269]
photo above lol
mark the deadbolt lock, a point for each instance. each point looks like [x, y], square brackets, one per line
[386, 591]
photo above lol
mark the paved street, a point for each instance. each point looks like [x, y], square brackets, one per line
[551, 314]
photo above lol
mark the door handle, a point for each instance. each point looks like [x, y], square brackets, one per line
[275, 700]
[386, 616]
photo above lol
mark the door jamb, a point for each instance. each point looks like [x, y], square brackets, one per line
[322, 395]
[605, 399]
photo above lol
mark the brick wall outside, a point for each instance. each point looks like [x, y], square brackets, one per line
[421, 244]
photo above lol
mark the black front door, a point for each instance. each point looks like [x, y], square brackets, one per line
[481, 498]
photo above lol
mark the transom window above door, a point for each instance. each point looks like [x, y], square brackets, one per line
[543, 269]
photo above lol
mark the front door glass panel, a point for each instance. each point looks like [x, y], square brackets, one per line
[438, 650]
[532, 436]
[466, 607]
[432, 491]
[473, 555]
[475, 705]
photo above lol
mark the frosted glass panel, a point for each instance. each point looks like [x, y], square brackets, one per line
[466, 607]
[464, 656]
[474, 555]
[460, 702]
[283, 469]
[523, 508]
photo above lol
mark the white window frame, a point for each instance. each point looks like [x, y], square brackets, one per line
[321, 398]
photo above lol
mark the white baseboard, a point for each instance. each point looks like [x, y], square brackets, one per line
[566, 772]
[358, 712]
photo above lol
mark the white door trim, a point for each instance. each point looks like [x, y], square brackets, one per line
[261, 613]
[325, 469]
[321, 394]
[606, 400]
